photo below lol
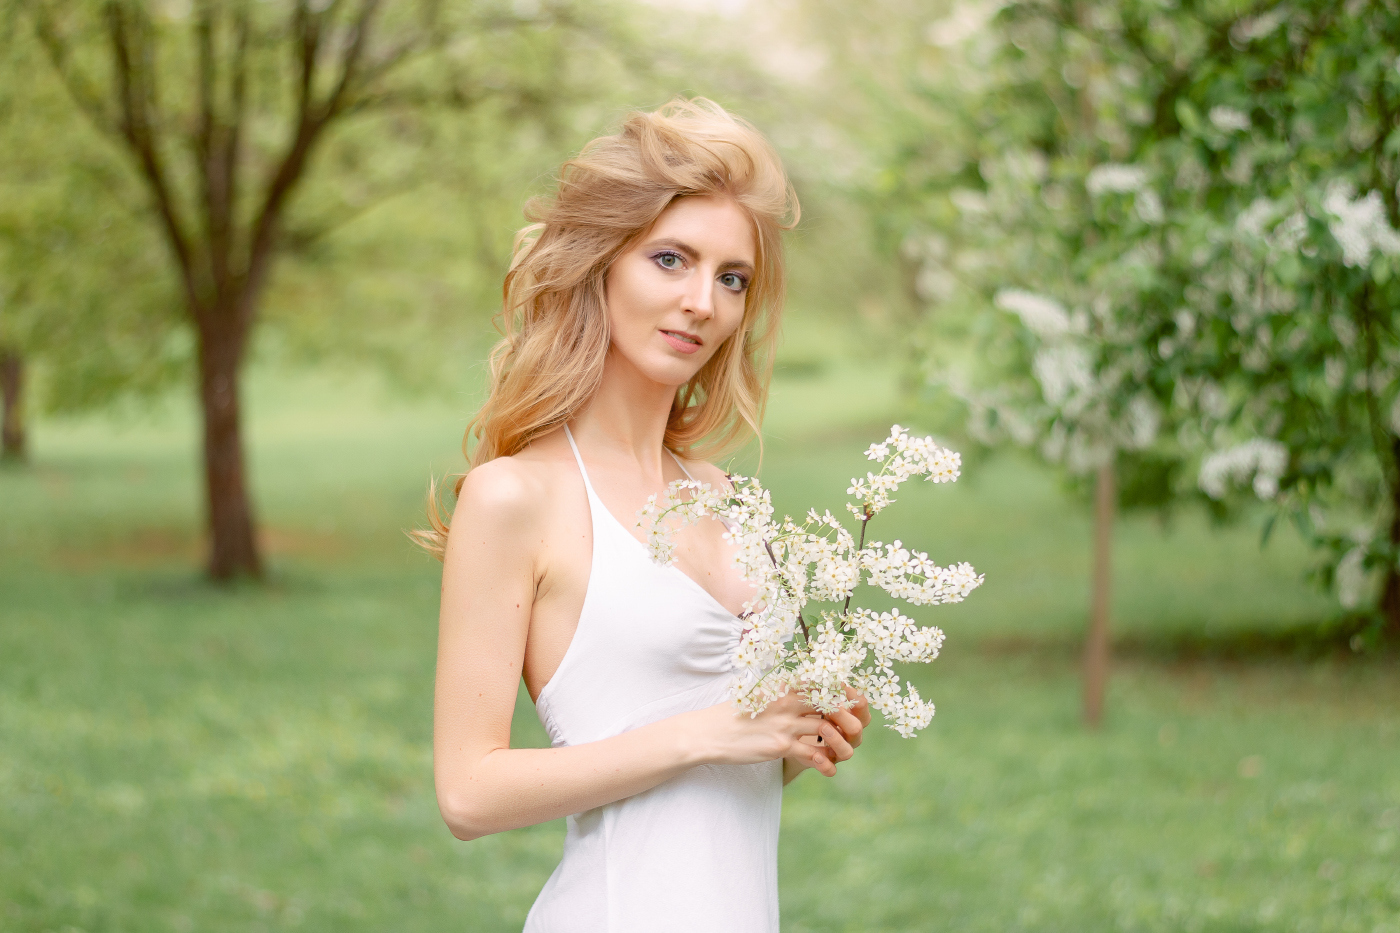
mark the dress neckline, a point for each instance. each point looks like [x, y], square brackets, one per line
[596, 504]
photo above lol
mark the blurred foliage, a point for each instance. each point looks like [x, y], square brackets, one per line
[398, 225]
[84, 292]
[1287, 256]
[395, 244]
[1158, 234]
[1161, 233]
[409, 224]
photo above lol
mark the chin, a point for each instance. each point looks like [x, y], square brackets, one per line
[673, 375]
[665, 369]
[663, 366]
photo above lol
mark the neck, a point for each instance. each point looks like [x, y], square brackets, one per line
[626, 420]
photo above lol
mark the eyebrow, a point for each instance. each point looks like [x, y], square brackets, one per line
[691, 253]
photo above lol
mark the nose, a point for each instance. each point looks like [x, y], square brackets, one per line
[700, 297]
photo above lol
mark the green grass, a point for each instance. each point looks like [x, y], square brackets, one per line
[179, 757]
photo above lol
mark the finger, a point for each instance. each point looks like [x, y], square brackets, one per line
[862, 709]
[840, 748]
[850, 726]
[808, 754]
[805, 747]
[860, 705]
[823, 763]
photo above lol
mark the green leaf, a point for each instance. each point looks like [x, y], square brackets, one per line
[1268, 530]
[1190, 119]
[1380, 270]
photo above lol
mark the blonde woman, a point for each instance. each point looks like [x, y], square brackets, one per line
[640, 315]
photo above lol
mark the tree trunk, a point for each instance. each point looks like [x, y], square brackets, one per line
[1096, 644]
[1390, 591]
[233, 548]
[12, 436]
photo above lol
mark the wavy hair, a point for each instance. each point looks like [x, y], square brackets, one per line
[553, 320]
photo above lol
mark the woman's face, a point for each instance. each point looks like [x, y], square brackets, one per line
[678, 292]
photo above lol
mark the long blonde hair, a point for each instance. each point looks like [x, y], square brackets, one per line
[553, 321]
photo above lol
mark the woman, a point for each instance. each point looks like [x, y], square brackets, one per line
[640, 315]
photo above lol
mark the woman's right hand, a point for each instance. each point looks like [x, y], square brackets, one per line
[787, 728]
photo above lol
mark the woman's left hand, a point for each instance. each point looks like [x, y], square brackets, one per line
[850, 723]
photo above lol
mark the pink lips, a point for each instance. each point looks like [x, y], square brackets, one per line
[679, 343]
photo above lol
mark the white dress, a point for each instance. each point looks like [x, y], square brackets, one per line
[700, 851]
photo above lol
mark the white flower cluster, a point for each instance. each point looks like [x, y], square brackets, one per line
[1262, 458]
[1359, 225]
[792, 565]
[895, 637]
[1257, 27]
[1351, 577]
[1063, 370]
[683, 511]
[912, 577]
[1114, 178]
[1045, 317]
[1149, 206]
[964, 22]
[1228, 119]
[912, 456]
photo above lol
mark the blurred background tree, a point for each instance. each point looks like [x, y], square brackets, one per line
[1027, 237]
[1080, 196]
[1287, 159]
[254, 129]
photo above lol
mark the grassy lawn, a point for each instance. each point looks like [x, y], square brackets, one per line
[178, 757]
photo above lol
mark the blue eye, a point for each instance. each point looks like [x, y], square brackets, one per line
[733, 281]
[668, 260]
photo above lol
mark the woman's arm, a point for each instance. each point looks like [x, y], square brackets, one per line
[490, 576]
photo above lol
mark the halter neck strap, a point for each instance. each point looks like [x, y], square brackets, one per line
[579, 459]
[681, 465]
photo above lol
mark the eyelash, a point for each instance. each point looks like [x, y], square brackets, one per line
[743, 282]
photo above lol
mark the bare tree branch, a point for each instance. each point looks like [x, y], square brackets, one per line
[88, 98]
[310, 233]
[416, 98]
[351, 59]
[307, 27]
[238, 110]
[212, 186]
[136, 101]
[312, 119]
[425, 37]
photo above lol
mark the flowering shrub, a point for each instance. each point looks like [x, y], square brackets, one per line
[1167, 248]
[786, 647]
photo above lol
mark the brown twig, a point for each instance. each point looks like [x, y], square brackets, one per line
[863, 522]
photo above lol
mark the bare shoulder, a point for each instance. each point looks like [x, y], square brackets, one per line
[512, 495]
[502, 488]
